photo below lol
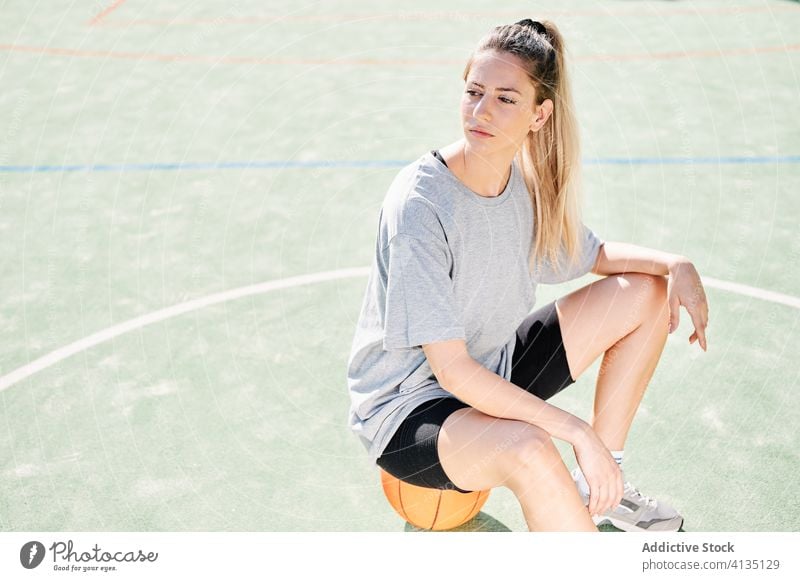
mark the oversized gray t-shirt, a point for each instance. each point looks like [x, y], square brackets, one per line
[449, 264]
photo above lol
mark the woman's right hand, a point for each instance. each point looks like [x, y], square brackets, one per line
[600, 470]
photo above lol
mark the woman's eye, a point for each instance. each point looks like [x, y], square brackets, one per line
[503, 99]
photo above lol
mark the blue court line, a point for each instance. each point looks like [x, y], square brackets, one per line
[741, 159]
[123, 167]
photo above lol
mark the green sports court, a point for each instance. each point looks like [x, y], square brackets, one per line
[189, 196]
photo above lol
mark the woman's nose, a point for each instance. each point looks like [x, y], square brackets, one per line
[482, 108]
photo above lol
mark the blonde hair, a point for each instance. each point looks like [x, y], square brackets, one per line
[549, 158]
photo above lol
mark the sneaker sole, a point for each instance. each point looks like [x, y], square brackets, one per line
[670, 526]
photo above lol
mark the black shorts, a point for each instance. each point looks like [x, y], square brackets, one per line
[539, 365]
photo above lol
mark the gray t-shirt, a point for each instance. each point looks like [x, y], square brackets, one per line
[449, 264]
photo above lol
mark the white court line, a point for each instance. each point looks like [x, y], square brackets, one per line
[54, 357]
[751, 291]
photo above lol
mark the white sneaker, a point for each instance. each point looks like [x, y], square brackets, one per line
[636, 512]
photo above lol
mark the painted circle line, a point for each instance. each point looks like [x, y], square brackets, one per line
[104, 335]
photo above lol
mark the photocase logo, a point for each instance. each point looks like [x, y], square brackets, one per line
[31, 554]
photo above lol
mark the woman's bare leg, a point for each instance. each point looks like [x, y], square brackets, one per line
[626, 318]
[479, 452]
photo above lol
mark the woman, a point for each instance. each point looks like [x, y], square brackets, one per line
[449, 369]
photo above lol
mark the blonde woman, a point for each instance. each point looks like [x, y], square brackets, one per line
[449, 368]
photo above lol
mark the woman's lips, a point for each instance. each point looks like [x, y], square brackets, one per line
[480, 133]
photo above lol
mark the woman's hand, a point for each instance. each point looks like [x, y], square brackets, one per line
[601, 472]
[684, 287]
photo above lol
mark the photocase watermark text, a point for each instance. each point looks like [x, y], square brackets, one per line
[65, 552]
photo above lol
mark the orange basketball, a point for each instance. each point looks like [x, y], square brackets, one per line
[431, 508]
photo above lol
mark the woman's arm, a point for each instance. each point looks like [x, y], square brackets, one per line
[458, 373]
[619, 257]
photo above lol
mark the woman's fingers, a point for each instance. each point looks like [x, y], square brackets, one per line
[620, 488]
[602, 475]
[609, 498]
[697, 333]
[685, 287]
[592, 500]
[616, 487]
[596, 506]
[612, 495]
[699, 327]
[605, 497]
[674, 312]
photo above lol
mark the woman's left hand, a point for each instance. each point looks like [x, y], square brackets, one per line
[684, 287]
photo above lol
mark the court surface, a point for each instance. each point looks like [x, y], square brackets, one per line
[190, 194]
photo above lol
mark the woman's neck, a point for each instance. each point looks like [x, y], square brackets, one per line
[485, 175]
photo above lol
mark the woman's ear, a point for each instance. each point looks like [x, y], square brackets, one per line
[541, 114]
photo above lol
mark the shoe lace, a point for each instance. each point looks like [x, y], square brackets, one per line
[633, 491]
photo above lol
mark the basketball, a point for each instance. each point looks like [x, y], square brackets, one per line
[431, 508]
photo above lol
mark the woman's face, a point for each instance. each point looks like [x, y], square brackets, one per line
[498, 99]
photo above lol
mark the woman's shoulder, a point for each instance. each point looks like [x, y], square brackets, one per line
[425, 166]
[415, 204]
[421, 182]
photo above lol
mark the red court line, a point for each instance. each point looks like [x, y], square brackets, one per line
[97, 19]
[690, 53]
[143, 56]
[450, 16]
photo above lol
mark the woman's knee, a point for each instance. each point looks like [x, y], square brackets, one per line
[532, 451]
[478, 451]
[649, 293]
